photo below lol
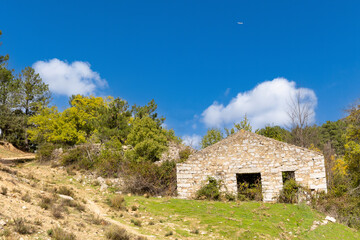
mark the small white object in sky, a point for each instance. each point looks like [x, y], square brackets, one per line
[240, 23]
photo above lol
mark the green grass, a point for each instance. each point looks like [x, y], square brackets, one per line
[242, 220]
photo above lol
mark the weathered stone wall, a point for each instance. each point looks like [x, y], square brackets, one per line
[246, 152]
[173, 152]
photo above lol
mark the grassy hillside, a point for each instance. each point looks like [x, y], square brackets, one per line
[90, 215]
[241, 220]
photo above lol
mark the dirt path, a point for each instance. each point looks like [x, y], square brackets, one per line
[97, 210]
[13, 160]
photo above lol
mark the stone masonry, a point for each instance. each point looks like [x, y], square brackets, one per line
[246, 152]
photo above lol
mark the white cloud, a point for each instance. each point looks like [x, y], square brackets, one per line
[267, 103]
[68, 79]
[192, 140]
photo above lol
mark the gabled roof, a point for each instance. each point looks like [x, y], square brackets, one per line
[243, 135]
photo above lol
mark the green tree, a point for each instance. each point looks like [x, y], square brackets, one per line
[244, 124]
[148, 139]
[333, 133]
[352, 146]
[148, 110]
[275, 132]
[114, 121]
[35, 93]
[3, 58]
[212, 136]
[9, 99]
[74, 125]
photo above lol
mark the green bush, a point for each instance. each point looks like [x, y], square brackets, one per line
[149, 178]
[109, 162]
[250, 192]
[78, 156]
[289, 192]
[45, 151]
[116, 233]
[184, 154]
[210, 191]
[229, 196]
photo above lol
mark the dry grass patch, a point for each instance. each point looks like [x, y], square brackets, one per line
[4, 190]
[20, 226]
[117, 202]
[26, 197]
[116, 233]
[60, 234]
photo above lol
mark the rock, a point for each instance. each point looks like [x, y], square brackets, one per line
[331, 219]
[66, 197]
[24, 207]
[2, 224]
[103, 187]
[101, 180]
[315, 225]
[324, 222]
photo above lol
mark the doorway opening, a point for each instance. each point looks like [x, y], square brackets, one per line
[249, 186]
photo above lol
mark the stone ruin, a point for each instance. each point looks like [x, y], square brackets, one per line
[246, 154]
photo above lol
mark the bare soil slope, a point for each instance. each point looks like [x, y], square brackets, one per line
[9, 153]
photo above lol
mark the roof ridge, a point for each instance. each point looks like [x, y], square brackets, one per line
[243, 132]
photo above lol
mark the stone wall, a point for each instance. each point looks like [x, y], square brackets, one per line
[246, 152]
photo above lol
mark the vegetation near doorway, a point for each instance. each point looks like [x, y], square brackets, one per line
[249, 186]
[288, 175]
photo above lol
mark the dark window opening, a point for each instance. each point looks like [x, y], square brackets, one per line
[288, 175]
[249, 186]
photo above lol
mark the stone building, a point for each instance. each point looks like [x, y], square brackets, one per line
[247, 155]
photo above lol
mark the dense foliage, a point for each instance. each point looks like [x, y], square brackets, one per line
[21, 96]
[211, 137]
[210, 191]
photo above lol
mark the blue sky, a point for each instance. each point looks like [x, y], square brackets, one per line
[189, 54]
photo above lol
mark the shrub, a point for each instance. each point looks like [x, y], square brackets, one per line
[109, 161]
[45, 152]
[26, 197]
[79, 156]
[184, 154]
[249, 192]
[134, 208]
[21, 227]
[97, 220]
[57, 211]
[229, 196]
[136, 222]
[150, 178]
[345, 208]
[117, 202]
[73, 203]
[4, 190]
[59, 234]
[289, 192]
[65, 191]
[116, 233]
[45, 203]
[210, 191]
